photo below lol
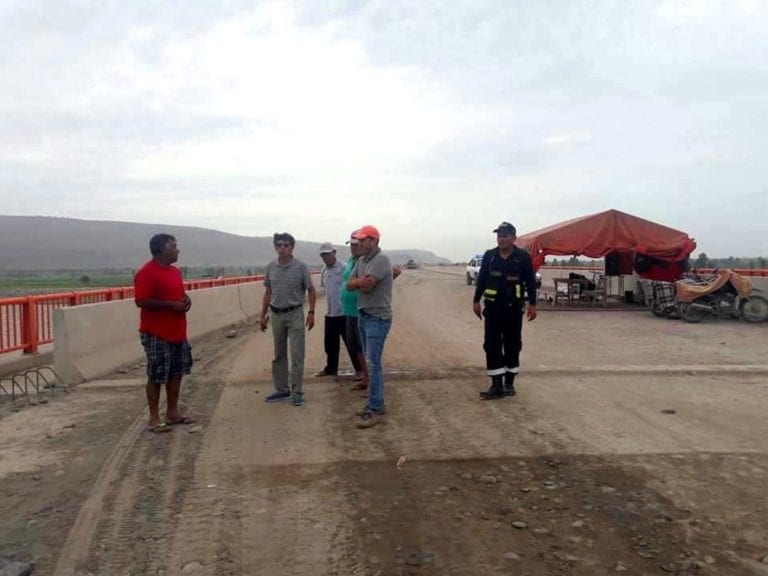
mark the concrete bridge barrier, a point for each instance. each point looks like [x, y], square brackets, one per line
[93, 340]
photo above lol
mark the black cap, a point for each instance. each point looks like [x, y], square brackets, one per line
[506, 229]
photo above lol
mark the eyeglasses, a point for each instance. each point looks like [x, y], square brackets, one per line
[282, 244]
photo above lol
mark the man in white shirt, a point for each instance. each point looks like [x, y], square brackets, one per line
[335, 321]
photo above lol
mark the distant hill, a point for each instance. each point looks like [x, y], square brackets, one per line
[47, 243]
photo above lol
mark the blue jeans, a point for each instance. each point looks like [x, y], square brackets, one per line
[373, 334]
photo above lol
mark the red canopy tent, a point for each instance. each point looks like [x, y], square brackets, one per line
[658, 252]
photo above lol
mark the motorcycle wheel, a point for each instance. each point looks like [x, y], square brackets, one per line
[690, 313]
[754, 309]
[657, 310]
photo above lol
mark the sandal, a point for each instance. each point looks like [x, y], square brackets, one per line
[161, 428]
[182, 420]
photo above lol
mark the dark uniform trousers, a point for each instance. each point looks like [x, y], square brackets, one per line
[503, 337]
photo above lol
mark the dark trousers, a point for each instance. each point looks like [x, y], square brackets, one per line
[335, 330]
[503, 338]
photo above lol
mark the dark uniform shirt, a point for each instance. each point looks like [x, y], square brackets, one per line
[502, 281]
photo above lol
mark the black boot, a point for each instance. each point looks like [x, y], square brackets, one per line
[509, 384]
[496, 390]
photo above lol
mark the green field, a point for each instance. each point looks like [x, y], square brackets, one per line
[22, 283]
[64, 282]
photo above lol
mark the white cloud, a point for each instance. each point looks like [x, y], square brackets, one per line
[432, 120]
[559, 139]
[316, 103]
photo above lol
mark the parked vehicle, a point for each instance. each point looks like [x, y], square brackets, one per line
[411, 265]
[473, 269]
[725, 293]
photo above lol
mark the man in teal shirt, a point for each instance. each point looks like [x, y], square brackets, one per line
[349, 308]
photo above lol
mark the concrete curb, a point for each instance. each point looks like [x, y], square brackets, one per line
[93, 340]
[545, 370]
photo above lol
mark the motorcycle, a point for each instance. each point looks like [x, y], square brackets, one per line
[662, 299]
[724, 294]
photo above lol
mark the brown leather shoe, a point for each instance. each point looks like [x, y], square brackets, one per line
[361, 413]
[368, 420]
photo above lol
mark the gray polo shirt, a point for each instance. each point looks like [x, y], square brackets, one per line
[288, 282]
[330, 279]
[377, 302]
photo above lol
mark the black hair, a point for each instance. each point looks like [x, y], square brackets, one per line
[158, 242]
[283, 237]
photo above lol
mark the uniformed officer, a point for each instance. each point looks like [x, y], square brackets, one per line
[506, 277]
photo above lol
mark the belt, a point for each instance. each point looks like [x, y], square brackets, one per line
[277, 310]
[365, 314]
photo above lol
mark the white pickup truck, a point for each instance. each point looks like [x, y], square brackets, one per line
[473, 269]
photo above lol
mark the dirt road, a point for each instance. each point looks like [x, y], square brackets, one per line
[635, 445]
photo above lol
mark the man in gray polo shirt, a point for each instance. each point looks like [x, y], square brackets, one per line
[285, 282]
[335, 321]
[372, 278]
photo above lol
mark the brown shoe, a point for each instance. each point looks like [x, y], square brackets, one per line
[360, 386]
[368, 420]
[361, 413]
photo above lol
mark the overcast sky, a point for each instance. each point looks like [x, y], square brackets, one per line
[432, 120]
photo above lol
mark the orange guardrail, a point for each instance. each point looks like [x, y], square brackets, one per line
[26, 321]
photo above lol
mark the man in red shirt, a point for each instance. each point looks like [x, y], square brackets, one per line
[159, 292]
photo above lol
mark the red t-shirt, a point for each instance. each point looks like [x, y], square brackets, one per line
[157, 282]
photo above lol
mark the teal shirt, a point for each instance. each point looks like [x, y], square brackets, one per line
[348, 297]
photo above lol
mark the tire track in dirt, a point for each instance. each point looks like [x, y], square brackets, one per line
[118, 504]
[210, 529]
[298, 521]
[230, 536]
[77, 545]
[123, 526]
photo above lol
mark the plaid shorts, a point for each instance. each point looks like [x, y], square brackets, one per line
[165, 359]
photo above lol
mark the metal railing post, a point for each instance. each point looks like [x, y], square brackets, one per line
[29, 332]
